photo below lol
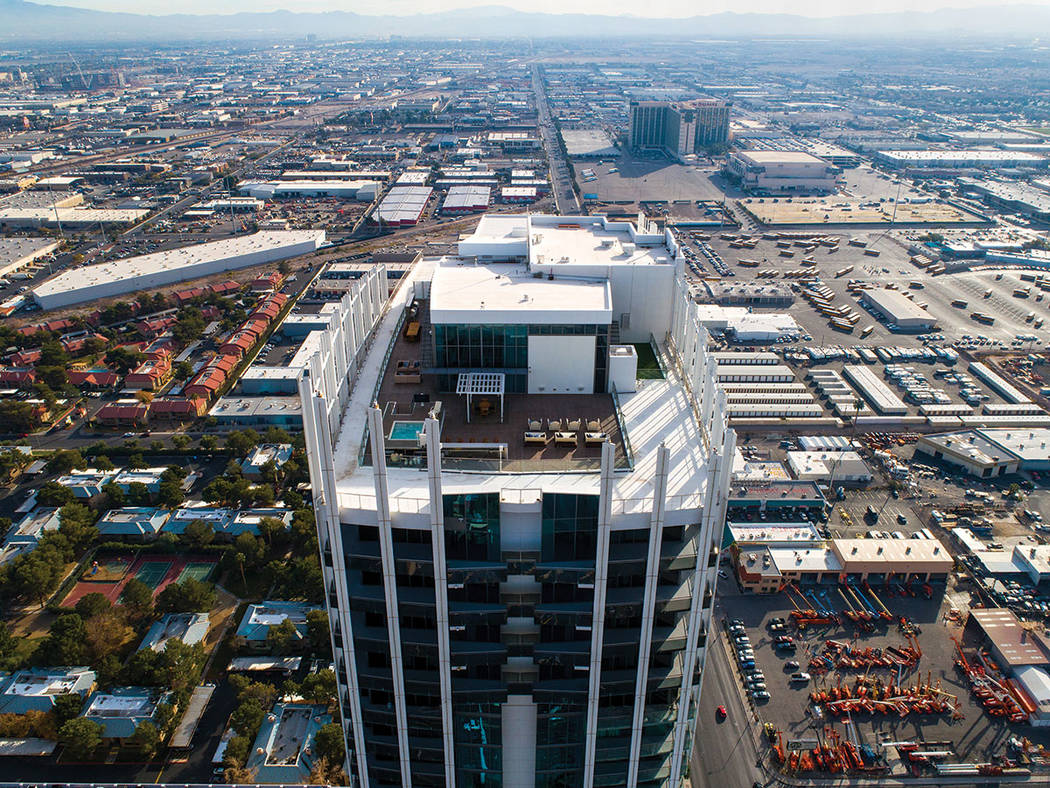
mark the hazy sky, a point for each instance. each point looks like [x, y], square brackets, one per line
[662, 8]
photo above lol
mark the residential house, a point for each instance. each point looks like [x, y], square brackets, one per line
[121, 710]
[190, 628]
[132, 521]
[35, 689]
[284, 750]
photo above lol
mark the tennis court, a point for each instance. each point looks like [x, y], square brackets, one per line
[152, 572]
[156, 571]
[196, 570]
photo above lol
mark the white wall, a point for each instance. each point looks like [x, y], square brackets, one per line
[519, 748]
[561, 365]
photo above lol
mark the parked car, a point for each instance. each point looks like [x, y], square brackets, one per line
[800, 677]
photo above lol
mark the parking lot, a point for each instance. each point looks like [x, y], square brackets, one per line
[629, 180]
[892, 266]
[975, 736]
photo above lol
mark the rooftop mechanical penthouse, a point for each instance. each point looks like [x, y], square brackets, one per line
[519, 536]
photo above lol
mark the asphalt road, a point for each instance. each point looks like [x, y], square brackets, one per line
[723, 752]
[565, 199]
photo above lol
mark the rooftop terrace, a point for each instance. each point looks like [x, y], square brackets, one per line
[407, 395]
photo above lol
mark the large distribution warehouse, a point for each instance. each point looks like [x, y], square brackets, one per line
[402, 206]
[144, 272]
[899, 310]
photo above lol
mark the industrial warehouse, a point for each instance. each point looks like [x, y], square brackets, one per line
[898, 310]
[121, 277]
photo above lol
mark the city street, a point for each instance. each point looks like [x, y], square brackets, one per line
[565, 198]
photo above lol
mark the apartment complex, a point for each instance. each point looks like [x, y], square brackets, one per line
[519, 538]
[678, 129]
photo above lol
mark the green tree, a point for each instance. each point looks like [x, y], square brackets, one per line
[317, 632]
[189, 596]
[7, 642]
[250, 548]
[54, 494]
[292, 499]
[52, 354]
[189, 326]
[124, 359]
[319, 687]
[271, 529]
[143, 669]
[138, 494]
[55, 377]
[114, 494]
[242, 441]
[180, 665]
[237, 750]
[217, 491]
[170, 495]
[274, 434]
[261, 495]
[208, 442]
[282, 638]
[137, 597]
[103, 463]
[66, 707]
[198, 534]
[65, 643]
[64, 461]
[91, 605]
[18, 417]
[181, 440]
[247, 718]
[80, 737]
[329, 744]
[77, 524]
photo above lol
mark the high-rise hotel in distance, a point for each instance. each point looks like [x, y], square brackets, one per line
[520, 463]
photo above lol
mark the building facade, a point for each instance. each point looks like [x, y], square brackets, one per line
[678, 129]
[537, 621]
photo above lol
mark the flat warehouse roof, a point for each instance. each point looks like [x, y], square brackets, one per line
[897, 306]
[1016, 645]
[874, 390]
[779, 157]
[961, 155]
[490, 294]
[175, 265]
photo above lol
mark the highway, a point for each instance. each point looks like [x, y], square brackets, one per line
[565, 198]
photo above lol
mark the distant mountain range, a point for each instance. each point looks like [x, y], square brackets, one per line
[21, 21]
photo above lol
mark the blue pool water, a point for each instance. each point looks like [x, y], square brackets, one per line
[405, 430]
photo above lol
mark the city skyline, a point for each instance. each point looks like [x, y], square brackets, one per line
[668, 8]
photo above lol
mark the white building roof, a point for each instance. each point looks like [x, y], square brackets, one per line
[897, 307]
[774, 157]
[804, 559]
[507, 293]
[175, 265]
[1030, 445]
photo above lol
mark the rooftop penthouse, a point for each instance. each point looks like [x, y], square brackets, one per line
[491, 410]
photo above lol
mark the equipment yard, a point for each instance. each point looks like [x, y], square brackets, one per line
[892, 684]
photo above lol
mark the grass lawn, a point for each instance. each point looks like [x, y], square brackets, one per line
[648, 366]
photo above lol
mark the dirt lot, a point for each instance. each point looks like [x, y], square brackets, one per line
[835, 211]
